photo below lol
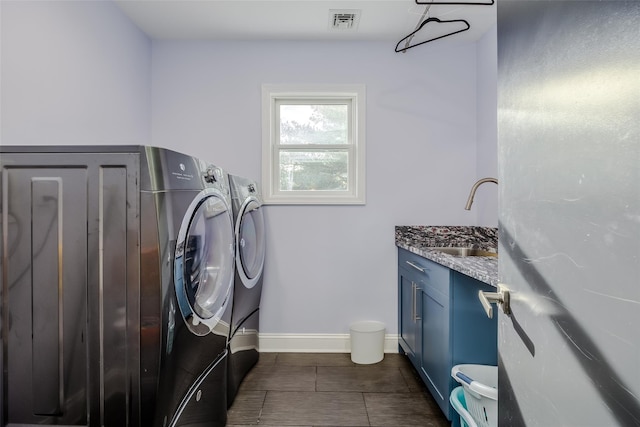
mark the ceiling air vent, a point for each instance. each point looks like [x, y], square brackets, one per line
[344, 19]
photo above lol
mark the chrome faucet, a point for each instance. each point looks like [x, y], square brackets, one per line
[475, 187]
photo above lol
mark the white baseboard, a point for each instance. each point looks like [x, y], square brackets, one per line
[316, 343]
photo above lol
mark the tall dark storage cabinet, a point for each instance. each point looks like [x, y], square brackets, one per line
[70, 289]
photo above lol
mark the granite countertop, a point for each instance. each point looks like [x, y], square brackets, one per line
[422, 240]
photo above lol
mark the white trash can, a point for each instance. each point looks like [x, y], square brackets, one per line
[367, 342]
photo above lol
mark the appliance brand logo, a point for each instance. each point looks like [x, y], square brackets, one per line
[181, 174]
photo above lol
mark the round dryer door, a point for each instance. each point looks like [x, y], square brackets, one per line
[204, 262]
[250, 235]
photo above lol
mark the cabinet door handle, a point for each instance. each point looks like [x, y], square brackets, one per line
[417, 267]
[415, 302]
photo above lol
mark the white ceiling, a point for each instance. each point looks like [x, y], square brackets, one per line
[380, 20]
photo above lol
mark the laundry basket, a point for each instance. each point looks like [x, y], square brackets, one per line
[480, 387]
[459, 404]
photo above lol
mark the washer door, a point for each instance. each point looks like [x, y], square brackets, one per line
[250, 242]
[204, 262]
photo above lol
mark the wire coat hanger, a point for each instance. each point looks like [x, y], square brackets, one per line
[436, 20]
[422, 18]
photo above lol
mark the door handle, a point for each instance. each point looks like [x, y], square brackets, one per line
[420, 269]
[501, 298]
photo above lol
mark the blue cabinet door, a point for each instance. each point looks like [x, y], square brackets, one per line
[436, 351]
[411, 274]
[474, 337]
[409, 334]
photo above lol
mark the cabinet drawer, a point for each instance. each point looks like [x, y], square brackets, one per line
[431, 273]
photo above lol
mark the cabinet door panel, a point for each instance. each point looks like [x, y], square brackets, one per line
[435, 354]
[45, 294]
[407, 312]
[474, 336]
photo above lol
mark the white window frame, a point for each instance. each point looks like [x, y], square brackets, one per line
[272, 95]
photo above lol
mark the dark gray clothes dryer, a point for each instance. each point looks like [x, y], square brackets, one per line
[250, 253]
[196, 309]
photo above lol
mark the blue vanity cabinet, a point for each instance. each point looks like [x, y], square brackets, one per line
[442, 324]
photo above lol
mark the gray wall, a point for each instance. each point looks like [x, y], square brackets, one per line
[328, 266]
[73, 73]
[486, 201]
[81, 73]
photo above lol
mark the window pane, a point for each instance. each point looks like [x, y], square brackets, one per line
[314, 124]
[313, 170]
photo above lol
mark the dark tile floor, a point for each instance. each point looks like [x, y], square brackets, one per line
[317, 389]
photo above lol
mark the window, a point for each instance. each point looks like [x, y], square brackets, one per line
[313, 144]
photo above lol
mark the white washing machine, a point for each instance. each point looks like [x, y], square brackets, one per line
[250, 253]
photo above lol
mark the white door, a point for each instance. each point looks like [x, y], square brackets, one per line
[569, 221]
